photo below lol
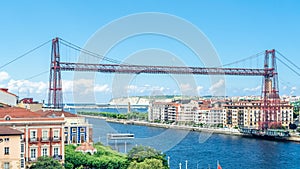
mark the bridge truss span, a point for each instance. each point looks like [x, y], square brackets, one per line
[270, 101]
[138, 69]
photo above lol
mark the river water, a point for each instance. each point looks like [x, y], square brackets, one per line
[202, 150]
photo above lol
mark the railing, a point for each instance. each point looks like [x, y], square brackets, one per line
[42, 139]
[45, 139]
[57, 157]
[34, 140]
[56, 139]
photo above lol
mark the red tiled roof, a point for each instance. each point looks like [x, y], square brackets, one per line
[49, 113]
[9, 131]
[86, 147]
[6, 91]
[15, 112]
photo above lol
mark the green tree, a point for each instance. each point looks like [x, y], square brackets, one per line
[104, 158]
[147, 164]
[69, 165]
[46, 163]
[142, 156]
[139, 153]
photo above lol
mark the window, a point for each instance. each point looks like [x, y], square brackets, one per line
[66, 138]
[6, 150]
[66, 129]
[74, 138]
[55, 151]
[55, 134]
[22, 163]
[22, 148]
[44, 152]
[74, 130]
[33, 135]
[82, 138]
[7, 118]
[6, 165]
[82, 129]
[45, 135]
[33, 153]
[6, 139]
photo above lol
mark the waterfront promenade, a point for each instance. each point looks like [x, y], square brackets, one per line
[225, 131]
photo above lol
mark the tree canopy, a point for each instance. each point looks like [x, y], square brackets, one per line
[138, 157]
[45, 162]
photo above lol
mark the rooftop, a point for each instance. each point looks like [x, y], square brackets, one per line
[9, 131]
[50, 113]
[15, 112]
[5, 90]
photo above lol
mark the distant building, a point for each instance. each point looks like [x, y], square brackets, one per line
[177, 111]
[7, 98]
[28, 103]
[186, 111]
[11, 148]
[248, 114]
[160, 111]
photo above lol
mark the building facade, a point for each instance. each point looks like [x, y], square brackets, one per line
[11, 149]
[43, 136]
[248, 114]
[28, 103]
[76, 129]
[7, 98]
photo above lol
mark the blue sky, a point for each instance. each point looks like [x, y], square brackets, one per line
[237, 29]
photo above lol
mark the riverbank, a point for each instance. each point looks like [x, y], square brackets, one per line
[224, 131]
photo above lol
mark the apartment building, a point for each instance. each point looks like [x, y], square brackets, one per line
[43, 136]
[11, 148]
[177, 111]
[248, 114]
[159, 111]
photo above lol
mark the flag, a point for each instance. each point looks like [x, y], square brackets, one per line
[219, 166]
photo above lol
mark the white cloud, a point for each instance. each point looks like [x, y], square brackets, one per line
[85, 86]
[185, 87]
[67, 85]
[254, 89]
[199, 88]
[216, 88]
[4, 76]
[293, 89]
[146, 89]
[284, 87]
[25, 86]
[101, 88]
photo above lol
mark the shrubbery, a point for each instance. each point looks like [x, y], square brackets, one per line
[138, 157]
[129, 116]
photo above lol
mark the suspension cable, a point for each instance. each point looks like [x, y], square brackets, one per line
[39, 74]
[288, 66]
[76, 47]
[288, 60]
[28, 52]
[247, 58]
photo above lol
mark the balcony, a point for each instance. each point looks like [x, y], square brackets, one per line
[56, 139]
[33, 140]
[45, 139]
[57, 157]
